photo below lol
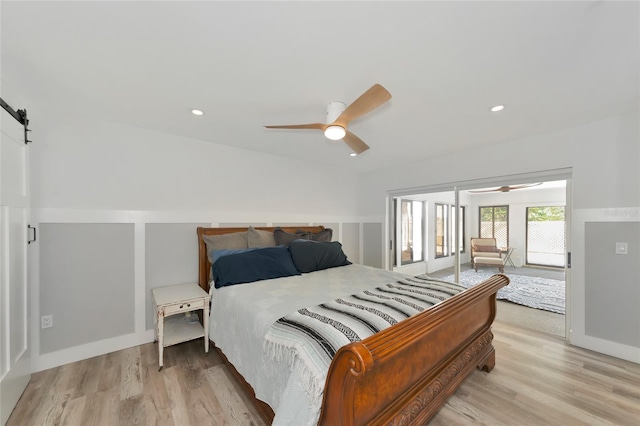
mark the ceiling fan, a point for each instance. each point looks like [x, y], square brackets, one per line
[508, 188]
[339, 115]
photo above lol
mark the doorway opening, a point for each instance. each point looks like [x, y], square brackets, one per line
[529, 225]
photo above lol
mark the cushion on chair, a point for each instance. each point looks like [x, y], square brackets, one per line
[485, 249]
[488, 261]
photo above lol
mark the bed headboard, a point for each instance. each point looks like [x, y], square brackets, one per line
[204, 267]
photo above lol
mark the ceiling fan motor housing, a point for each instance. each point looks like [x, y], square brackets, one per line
[334, 109]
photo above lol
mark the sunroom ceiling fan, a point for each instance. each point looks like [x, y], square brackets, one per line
[508, 188]
[339, 116]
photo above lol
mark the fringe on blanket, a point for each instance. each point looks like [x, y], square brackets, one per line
[313, 381]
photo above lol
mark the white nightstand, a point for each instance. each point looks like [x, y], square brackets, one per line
[172, 328]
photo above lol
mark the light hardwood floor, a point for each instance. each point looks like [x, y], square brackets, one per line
[538, 380]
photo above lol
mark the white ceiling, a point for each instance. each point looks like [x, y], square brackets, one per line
[247, 64]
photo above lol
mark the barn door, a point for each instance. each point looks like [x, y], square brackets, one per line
[15, 353]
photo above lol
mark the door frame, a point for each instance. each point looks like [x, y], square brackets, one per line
[457, 186]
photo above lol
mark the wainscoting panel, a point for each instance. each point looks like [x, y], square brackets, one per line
[171, 257]
[372, 244]
[612, 292]
[86, 282]
[351, 241]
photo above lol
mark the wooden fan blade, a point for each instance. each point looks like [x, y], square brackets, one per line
[355, 143]
[508, 188]
[486, 190]
[368, 101]
[529, 185]
[318, 126]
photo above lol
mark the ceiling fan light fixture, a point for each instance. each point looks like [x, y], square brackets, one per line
[197, 112]
[335, 133]
[353, 154]
[497, 108]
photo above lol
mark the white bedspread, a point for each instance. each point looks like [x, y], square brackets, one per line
[242, 314]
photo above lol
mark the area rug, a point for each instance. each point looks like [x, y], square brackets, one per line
[534, 292]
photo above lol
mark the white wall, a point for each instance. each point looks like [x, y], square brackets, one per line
[83, 163]
[603, 157]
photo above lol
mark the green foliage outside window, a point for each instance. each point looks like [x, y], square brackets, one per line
[544, 214]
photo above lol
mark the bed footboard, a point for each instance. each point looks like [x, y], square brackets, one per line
[404, 374]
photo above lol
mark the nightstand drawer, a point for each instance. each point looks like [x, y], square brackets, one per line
[185, 306]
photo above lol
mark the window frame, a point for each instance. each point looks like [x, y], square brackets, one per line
[493, 222]
[450, 219]
[462, 211]
[398, 238]
[446, 239]
[526, 237]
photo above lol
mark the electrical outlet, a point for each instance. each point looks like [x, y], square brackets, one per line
[622, 248]
[46, 321]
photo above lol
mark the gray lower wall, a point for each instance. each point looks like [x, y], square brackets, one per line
[372, 244]
[86, 282]
[171, 257]
[350, 240]
[612, 284]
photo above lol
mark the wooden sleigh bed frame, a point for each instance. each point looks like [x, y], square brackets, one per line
[405, 373]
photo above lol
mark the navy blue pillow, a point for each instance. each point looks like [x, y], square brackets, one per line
[309, 256]
[255, 265]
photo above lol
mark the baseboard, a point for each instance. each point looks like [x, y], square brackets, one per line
[89, 350]
[618, 350]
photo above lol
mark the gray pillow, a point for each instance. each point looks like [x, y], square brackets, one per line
[324, 235]
[258, 238]
[283, 237]
[236, 240]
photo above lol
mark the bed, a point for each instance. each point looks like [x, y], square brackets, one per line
[399, 376]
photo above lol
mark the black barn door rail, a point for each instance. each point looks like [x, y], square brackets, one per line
[20, 115]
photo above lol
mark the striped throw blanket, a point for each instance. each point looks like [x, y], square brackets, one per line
[308, 339]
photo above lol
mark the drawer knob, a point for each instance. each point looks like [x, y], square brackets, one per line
[188, 305]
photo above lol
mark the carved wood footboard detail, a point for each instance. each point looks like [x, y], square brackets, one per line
[425, 399]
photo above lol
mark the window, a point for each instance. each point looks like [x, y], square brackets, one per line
[442, 230]
[461, 223]
[546, 236]
[494, 223]
[446, 219]
[411, 231]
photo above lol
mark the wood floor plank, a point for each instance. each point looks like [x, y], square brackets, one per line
[204, 407]
[132, 411]
[179, 409]
[101, 406]
[156, 402]
[131, 373]
[232, 405]
[73, 411]
[55, 398]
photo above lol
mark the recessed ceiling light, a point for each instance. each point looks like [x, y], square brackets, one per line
[196, 112]
[353, 154]
[497, 108]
